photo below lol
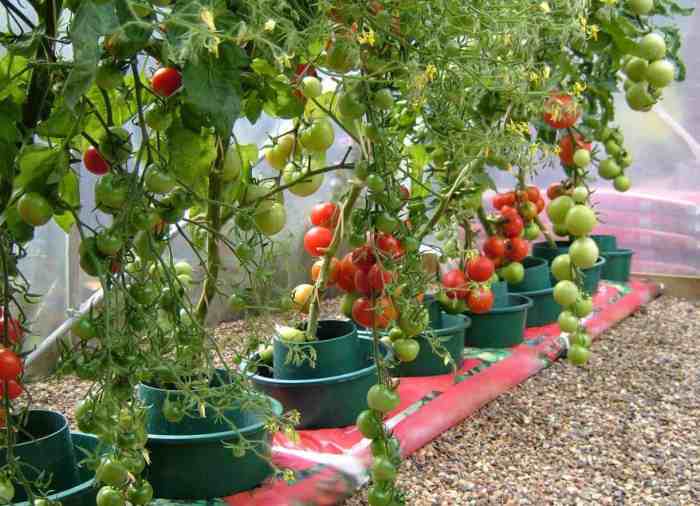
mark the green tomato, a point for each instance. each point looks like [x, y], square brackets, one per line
[578, 355]
[559, 207]
[612, 148]
[350, 106]
[583, 307]
[378, 496]
[158, 118]
[638, 97]
[109, 76]
[307, 185]
[341, 57]
[381, 398]
[532, 231]
[513, 273]
[144, 293]
[384, 99]
[561, 268]
[140, 494]
[652, 46]
[110, 496]
[183, 267]
[111, 192]
[115, 145]
[560, 229]
[347, 302]
[369, 425]
[568, 322]
[383, 470]
[34, 209]
[311, 87]
[375, 183]
[641, 7]
[582, 158]
[147, 247]
[580, 220]
[108, 243]
[584, 252]
[159, 181]
[386, 223]
[622, 183]
[7, 491]
[233, 164]
[111, 472]
[318, 136]
[271, 219]
[580, 195]
[406, 349]
[625, 160]
[660, 73]
[636, 69]
[581, 339]
[609, 169]
[84, 329]
[565, 293]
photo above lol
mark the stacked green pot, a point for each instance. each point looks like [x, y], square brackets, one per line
[192, 459]
[537, 285]
[591, 275]
[502, 327]
[618, 261]
[327, 399]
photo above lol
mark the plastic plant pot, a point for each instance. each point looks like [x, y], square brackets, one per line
[502, 327]
[327, 403]
[203, 466]
[336, 352]
[434, 311]
[544, 309]
[605, 242]
[48, 450]
[544, 250]
[449, 337]
[500, 293]
[592, 275]
[617, 265]
[536, 276]
[85, 491]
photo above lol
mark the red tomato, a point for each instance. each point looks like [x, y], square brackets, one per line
[540, 205]
[115, 266]
[346, 274]
[480, 269]
[363, 258]
[522, 196]
[503, 199]
[561, 111]
[332, 273]
[388, 312]
[517, 249]
[325, 214]
[513, 225]
[14, 329]
[533, 193]
[362, 282]
[317, 240]
[378, 277]
[387, 243]
[94, 162]
[554, 190]
[456, 283]
[166, 81]
[494, 247]
[567, 148]
[14, 389]
[10, 365]
[363, 312]
[509, 212]
[480, 300]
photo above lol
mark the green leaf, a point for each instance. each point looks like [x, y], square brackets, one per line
[91, 22]
[483, 180]
[12, 80]
[191, 154]
[252, 107]
[35, 164]
[69, 189]
[61, 123]
[263, 67]
[65, 221]
[212, 86]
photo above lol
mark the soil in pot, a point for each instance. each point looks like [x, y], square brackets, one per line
[502, 327]
[335, 352]
[329, 402]
[44, 444]
[536, 276]
[618, 265]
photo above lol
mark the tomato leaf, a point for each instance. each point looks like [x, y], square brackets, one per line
[212, 85]
[36, 164]
[69, 189]
[64, 220]
[60, 124]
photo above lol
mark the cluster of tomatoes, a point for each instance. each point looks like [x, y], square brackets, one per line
[10, 362]
[467, 288]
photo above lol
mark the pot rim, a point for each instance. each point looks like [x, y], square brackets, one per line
[464, 324]
[321, 342]
[620, 252]
[525, 304]
[538, 293]
[47, 436]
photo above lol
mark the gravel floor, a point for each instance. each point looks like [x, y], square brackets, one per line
[624, 430]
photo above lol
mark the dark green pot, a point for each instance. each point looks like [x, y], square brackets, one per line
[323, 402]
[543, 250]
[202, 466]
[337, 352]
[591, 276]
[536, 276]
[434, 311]
[85, 491]
[500, 293]
[449, 336]
[501, 327]
[49, 450]
[605, 242]
[544, 309]
[617, 265]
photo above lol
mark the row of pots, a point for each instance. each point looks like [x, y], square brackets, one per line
[190, 459]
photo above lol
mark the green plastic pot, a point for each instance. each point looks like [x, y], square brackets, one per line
[500, 293]
[544, 250]
[336, 351]
[605, 242]
[536, 276]
[544, 309]
[592, 275]
[617, 265]
[450, 336]
[85, 491]
[434, 311]
[45, 446]
[323, 402]
[502, 327]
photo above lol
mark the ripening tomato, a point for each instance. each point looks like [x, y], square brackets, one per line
[10, 365]
[568, 146]
[14, 389]
[362, 282]
[480, 269]
[513, 225]
[517, 249]
[325, 214]
[387, 243]
[317, 240]
[94, 162]
[503, 199]
[378, 278]
[540, 205]
[533, 193]
[333, 270]
[363, 312]
[494, 247]
[456, 283]
[166, 81]
[346, 274]
[363, 258]
[14, 329]
[561, 111]
[480, 300]
[555, 190]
